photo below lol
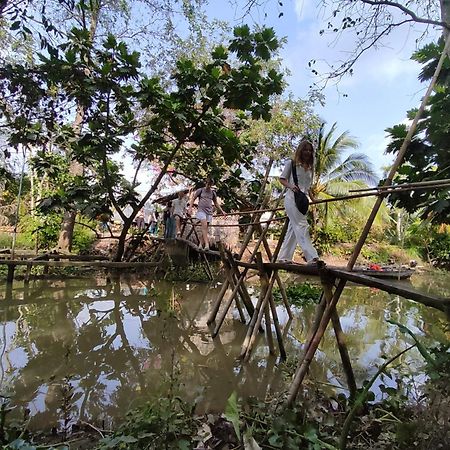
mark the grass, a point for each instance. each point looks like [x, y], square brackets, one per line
[22, 242]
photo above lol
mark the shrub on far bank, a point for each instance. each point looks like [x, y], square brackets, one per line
[45, 229]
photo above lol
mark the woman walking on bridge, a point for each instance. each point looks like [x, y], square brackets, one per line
[207, 197]
[297, 176]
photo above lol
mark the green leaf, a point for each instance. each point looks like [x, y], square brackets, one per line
[232, 413]
[184, 444]
[249, 441]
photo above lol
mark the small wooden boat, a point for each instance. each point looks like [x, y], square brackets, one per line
[392, 273]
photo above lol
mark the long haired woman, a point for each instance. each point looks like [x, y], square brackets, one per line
[298, 229]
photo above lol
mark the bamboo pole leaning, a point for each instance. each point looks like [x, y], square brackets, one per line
[307, 357]
[273, 309]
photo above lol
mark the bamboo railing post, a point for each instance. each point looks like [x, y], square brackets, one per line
[309, 354]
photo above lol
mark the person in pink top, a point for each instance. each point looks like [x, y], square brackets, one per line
[207, 197]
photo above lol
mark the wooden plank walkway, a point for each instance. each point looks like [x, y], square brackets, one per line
[390, 286]
[70, 263]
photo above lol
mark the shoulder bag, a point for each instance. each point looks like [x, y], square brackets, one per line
[301, 199]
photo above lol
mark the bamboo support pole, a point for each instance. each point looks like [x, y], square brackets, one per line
[250, 342]
[216, 307]
[240, 283]
[205, 259]
[309, 354]
[239, 308]
[278, 331]
[242, 288]
[278, 279]
[273, 308]
[245, 242]
[251, 325]
[224, 312]
[229, 278]
[327, 285]
[269, 330]
[343, 351]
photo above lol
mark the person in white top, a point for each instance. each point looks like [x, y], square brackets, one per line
[298, 229]
[179, 207]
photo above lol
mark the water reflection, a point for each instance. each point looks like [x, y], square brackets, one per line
[115, 343]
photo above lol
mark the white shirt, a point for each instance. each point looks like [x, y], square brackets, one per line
[179, 205]
[304, 177]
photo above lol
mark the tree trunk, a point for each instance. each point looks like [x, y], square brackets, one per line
[68, 223]
[76, 169]
[32, 193]
[121, 242]
[445, 17]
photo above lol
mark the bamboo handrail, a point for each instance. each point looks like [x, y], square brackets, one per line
[416, 184]
[379, 192]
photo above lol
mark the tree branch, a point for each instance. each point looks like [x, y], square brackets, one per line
[407, 11]
[346, 66]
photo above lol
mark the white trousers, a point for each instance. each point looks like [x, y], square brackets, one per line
[297, 233]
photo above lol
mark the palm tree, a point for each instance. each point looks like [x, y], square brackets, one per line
[335, 176]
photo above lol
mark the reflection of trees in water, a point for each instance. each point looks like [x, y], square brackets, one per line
[119, 349]
[363, 313]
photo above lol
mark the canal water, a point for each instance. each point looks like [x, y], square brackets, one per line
[91, 348]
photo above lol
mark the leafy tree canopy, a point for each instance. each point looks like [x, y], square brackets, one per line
[186, 126]
[428, 155]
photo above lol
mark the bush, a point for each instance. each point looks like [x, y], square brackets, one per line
[83, 238]
[43, 228]
[439, 249]
[431, 242]
[300, 294]
[326, 238]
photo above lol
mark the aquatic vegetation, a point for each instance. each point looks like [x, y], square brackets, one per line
[300, 294]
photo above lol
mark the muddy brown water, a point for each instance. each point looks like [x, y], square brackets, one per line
[115, 344]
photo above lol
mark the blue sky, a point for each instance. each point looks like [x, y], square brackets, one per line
[384, 85]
